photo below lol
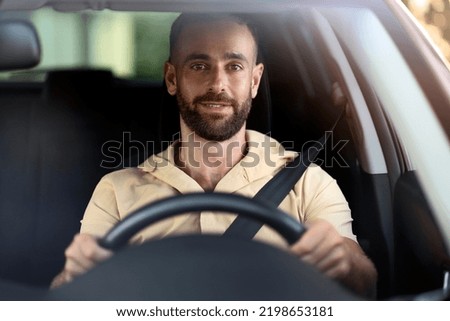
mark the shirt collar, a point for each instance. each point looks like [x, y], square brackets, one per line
[265, 156]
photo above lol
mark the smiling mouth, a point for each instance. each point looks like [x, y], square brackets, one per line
[215, 104]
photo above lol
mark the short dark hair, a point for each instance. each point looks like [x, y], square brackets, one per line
[186, 19]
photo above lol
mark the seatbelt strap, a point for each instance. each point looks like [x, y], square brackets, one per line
[275, 190]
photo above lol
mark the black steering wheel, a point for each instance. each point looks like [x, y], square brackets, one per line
[285, 225]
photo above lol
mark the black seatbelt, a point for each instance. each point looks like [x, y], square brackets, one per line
[275, 190]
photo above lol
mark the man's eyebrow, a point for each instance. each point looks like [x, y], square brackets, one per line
[235, 56]
[227, 56]
[196, 56]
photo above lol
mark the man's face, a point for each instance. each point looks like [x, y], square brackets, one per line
[214, 75]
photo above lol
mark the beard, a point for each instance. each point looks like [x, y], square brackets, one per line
[214, 127]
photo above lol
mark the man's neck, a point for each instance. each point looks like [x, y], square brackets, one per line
[207, 162]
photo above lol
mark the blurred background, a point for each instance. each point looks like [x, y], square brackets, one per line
[434, 16]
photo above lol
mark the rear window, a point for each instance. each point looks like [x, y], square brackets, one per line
[134, 45]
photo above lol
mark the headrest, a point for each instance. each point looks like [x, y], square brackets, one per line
[19, 45]
[78, 86]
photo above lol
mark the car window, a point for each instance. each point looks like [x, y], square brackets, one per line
[133, 45]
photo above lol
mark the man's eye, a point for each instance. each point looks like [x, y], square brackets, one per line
[199, 67]
[236, 67]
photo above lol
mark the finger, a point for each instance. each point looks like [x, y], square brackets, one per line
[83, 254]
[318, 252]
[339, 270]
[315, 241]
[307, 244]
[76, 263]
[94, 253]
[338, 262]
[332, 260]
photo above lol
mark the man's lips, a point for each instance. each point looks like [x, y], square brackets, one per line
[215, 104]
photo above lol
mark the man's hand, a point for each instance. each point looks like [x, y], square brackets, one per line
[81, 255]
[323, 247]
[337, 257]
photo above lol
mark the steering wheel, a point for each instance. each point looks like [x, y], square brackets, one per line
[268, 214]
[202, 267]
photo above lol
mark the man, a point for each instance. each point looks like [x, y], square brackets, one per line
[214, 74]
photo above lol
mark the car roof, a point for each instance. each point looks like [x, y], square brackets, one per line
[167, 5]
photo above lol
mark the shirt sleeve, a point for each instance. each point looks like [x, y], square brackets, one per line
[321, 198]
[102, 212]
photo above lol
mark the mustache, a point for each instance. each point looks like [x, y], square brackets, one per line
[222, 97]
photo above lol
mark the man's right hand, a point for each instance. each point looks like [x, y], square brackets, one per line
[82, 255]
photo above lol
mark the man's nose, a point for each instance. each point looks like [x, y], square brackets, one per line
[217, 80]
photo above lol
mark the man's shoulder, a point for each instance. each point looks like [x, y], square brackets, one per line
[123, 174]
[316, 177]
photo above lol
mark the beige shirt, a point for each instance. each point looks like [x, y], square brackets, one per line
[315, 196]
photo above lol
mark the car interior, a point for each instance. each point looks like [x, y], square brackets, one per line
[61, 135]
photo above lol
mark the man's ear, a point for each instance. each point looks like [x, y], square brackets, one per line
[170, 78]
[256, 78]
